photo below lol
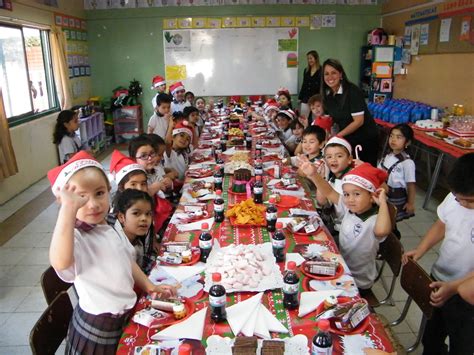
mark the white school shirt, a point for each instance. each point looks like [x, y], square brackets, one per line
[402, 173]
[102, 270]
[359, 246]
[285, 136]
[456, 254]
[339, 210]
[158, 175]
[159, 124]
[69, 144]
[177, 162]
[179, 106]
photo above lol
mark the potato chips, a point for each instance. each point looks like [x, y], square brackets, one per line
[247, 212]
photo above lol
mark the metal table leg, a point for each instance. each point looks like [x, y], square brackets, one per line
[434, 180]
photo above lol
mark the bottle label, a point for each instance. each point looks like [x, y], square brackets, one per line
[218, 208]
[205, 244]
[290, 288]
[316, 350]
[258, 190]
[271, 216]
[258, 171]
[218, 301]
[279, 244]
[217, 180]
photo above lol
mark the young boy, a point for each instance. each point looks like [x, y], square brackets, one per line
[315, 104]
[284, 117]
[158, 83]
[453, 317]
[312, 143]
[158, 123]
[366, 220]
[191, 114]
[297, 136]
[178, 91]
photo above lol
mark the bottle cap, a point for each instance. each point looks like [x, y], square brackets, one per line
[205, 225]
[279, 225]
[219, 192]
[216, 277]
[323, 324]
[258, 177]
[184, 349]
[217, 168]
[291, 265]
[272, 200]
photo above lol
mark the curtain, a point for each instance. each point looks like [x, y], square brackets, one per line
[60, 67]
[8, 166]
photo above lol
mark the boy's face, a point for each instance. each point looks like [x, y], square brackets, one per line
[297, 131]
[164, 108]
[137, 182]
[146, 156]
[181, 141]
[200, 105]
[283, 122]
[317, 109]
[311, 145]
[190, 98]
[179, 95]
[193, 117]
[161, 89]
[357, 199]
[337, 159]
[465, 201]
[91, 183]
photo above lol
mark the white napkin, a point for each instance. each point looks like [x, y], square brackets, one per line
[302, 212]
[296, 257]
[284, 220]
[204, 179]
[190, 328]
[309, 301]
[298, 193]
[232, 151]
[273, 182]
[181, 273]
[239, 313]
[272, 323]
[195, 225]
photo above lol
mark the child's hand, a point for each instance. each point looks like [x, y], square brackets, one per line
[379, 196]
[166, 183]
[69, 197]
[412, 254]
[164, 291]
[303, 120]
[441, 292]
[409, 208]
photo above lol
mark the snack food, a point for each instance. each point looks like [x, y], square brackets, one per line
[241, 178]
[441, 134]
[244, 346]
[349, 316]
[273, 347]
[236, 132]
[462, 142]
[247, 212]
[321, 267]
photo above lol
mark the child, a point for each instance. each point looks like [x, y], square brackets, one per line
[401, 172]
[284, 117]
[64, 135]
[179, 103]
[177, 153]
[191, 114]
[452, 316]
[135, 213]
[313, 139]
[296, 138]
[203, 114]
[158, 83]
[284, 98]
[189, 97]
[98, 259]
[366, 220]
[158, 123]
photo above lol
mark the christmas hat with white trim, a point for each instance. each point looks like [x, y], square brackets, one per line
[176, 87]
[366, 176]
[339, 141]
[157, 81]
[183, 127]
[121, 165]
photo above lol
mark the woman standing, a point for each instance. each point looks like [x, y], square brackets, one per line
[311, 82]
[345, 103]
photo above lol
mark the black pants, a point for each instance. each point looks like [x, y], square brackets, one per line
[455, 319]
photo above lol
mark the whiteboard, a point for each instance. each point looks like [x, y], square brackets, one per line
[237, 61]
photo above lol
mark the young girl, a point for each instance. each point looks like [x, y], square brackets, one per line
[284, 117]
[135, 213]
[296, 138]
[99, 260]
[401, 171]
[158, 83]
[191, 114]
[177, 153]
[284, 98]
[64, 135]
[366, 220]
[203, 114]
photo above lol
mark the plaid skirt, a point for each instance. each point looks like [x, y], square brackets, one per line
[399, 197]
[94, 334]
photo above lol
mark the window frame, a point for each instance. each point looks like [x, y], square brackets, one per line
[49, 75]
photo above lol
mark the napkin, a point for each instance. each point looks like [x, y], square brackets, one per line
[298, 193]
[190, 328]
[273, 182]
[239, 313]
[195, 225]
[284, 220]
[309, 301]
[232, 151]
[296, 257]
[183, 272]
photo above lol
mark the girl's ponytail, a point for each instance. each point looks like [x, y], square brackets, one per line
[59, 129]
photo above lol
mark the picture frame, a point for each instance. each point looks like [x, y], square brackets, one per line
[272, 21]
[170, 23]
[302, 21]
[382, 70]
[258, 21]
[406, 56]
[379, 98]
[383, 54]
[214, 22]
[386, 85]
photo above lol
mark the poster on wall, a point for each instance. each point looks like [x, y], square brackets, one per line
[177, 41]
[424, 34]
[415, 39]
[465, 28]
[444, 30]
[407, 36]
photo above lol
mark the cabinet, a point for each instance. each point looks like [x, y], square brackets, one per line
[92, 132]
[128, 123]
[376, 72]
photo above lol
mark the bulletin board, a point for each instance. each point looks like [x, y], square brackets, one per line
[455, 45]
[237, 61]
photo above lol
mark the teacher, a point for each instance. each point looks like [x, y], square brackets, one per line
[311, 81]
[345, 103]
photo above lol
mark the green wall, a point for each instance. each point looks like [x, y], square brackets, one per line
[127, 44]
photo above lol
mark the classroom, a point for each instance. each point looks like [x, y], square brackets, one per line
[283, 176]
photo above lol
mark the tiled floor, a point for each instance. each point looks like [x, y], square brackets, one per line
[24, 257]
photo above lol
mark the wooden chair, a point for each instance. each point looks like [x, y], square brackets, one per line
[52, 285]
[51, 328]
[415, 281]
[392, 210]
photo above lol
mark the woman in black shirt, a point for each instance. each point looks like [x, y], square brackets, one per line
[311, 82]
[345, 103]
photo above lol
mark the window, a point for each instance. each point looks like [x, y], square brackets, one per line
[26, 76]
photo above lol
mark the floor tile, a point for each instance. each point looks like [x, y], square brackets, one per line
[11, 297]
[420, 228]
[410, 242]
[3, 318]
[36, 256]
[15, 350]
[23, 275]
[405, 229]
[11, 256]
[16, 330]
[24, 239]
[34, 302]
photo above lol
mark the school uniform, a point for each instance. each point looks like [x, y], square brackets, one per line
[159, 125]
[153, 101]
[337, 212]
[178, 161]
[69, 145]
[456, 317]
[286, 135]
[179, 106]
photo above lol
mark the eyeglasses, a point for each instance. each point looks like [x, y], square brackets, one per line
[146, 156]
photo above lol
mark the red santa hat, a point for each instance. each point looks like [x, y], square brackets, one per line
[339, 141]
[270, 105]
[366, 176]
[282, 90]
[60, 175]
[183, 127]
[157, 81]
[176, 87]
[288, 113]
[121, 165]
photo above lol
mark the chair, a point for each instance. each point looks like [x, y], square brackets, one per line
[51, 328]
[52, 285]
[392, 210]
[415, 281]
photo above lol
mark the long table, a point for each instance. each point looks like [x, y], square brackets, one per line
[137, 335]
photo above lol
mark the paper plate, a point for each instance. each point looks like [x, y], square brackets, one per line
[339, 272]
[194, 260]
[190, 307]
[287, 201]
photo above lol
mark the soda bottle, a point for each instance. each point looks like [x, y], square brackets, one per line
[217, 178]
[217, 299]
[322, 341]
[220, 164]
[258, 190]
[219, 207]
[258, 167]
[271, 215]
[258, 148]
[205, 242]
[185, 349]
[223, 144]
[248, 141]
[279, 243]
[217, 151]
[290, 286]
